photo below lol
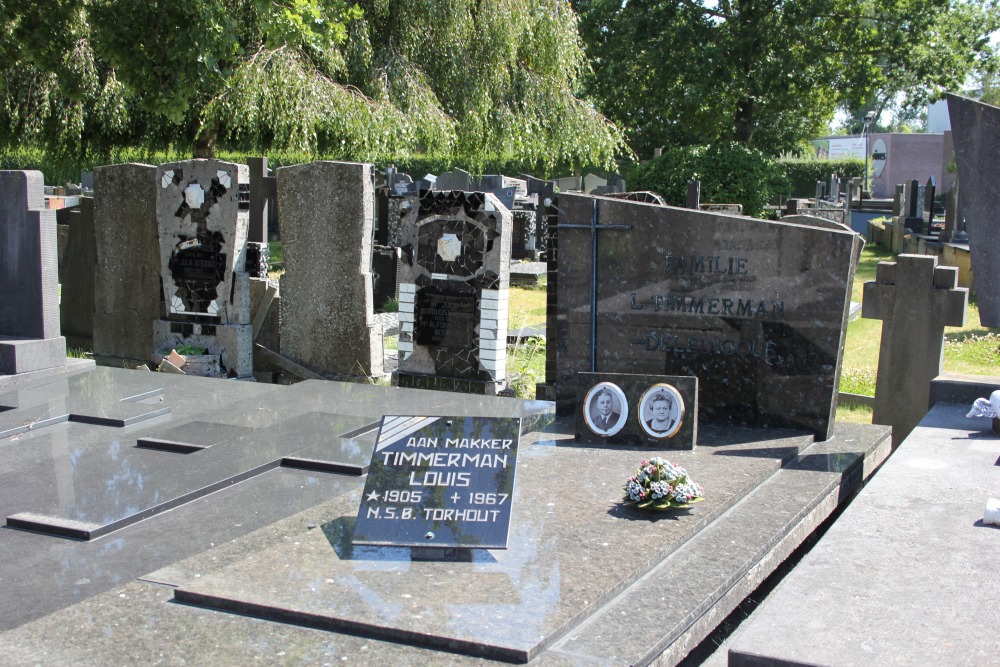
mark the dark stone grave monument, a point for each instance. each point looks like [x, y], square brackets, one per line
[76, 305]
[29, 274]
[915, 299]
[453, 288]
[930, 190]
[913, 220]
[756, 310]
[976, 131]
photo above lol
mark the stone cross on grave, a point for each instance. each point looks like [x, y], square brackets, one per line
[915, 299]
[594, 227]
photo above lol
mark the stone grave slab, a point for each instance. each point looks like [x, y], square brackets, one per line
[561, 532]
[911, 559]
[176, 469]
[755, 309]
[976, 134]
[723, 564]
[565, 537]
[103, 396]
[42, 575]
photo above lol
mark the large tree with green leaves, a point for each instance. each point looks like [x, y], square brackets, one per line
[473, 80]
[770, 73]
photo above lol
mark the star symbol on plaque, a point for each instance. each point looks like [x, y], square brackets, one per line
[373, 496]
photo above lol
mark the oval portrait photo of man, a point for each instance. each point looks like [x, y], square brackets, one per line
[605, 409]
[661, 411]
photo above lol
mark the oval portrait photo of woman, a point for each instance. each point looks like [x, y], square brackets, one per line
[661, 411]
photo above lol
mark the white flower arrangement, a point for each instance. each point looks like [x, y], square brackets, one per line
[660, 485]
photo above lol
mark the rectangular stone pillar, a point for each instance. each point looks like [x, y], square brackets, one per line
[327, 214]
[127, 276]
[29, 276]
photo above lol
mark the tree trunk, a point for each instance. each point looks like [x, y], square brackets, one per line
[204, 141]
[743, 130]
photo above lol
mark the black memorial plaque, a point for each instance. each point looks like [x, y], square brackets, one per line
[440, 482]
[445, 319]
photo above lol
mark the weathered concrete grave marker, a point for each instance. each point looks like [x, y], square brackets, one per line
[29, 277]
[915, 299]
[127, 293]
[327, 214]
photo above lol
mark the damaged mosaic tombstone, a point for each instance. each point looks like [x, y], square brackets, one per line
[30, 339]
[756, 310]
[454, 282]
[206, 289]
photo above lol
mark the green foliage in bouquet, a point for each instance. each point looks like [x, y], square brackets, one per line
[660, 485]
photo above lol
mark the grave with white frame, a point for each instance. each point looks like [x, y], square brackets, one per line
[454, 279]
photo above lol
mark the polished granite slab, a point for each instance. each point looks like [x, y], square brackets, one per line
[130, 622]
[40, 575]
[577, 559]
[571, 548]
[904, 577]
[87, 482]
[103, 396]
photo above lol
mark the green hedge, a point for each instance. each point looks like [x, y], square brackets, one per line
[60, 171]
[802, 173]
[730, 173]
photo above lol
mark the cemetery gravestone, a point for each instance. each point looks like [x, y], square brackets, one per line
[694, 195]
[457, 179]
[756, 310]
[976, 131]
[327, 213]
[29, 301]
[127, 294]
[913, 220]
[76, 306]
[928, 213]
[915, 298]
[454, 281]
[206, 288]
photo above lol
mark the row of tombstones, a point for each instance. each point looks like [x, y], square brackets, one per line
[164, 254]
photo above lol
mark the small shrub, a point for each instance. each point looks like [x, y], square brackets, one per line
[801, 174]
[730, 173]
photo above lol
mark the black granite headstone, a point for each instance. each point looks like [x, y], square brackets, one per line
[440, 482]
[755, 309]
